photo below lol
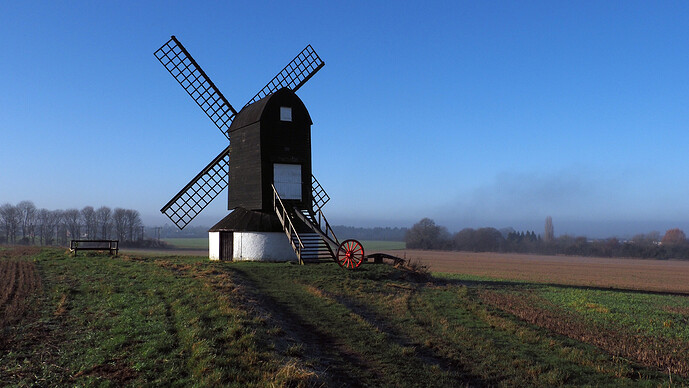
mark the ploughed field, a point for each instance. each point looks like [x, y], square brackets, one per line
[19, 282]
[633, 274]
[171, 320]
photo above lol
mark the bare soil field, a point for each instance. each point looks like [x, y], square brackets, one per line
[18, 281]
[633, 274]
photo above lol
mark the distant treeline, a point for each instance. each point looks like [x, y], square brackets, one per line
[171, 231]
[427, 235]
[376, 234]
[26, 224]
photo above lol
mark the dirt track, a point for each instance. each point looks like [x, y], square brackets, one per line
[651, 275]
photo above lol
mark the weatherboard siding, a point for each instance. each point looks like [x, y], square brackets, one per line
[258, 141]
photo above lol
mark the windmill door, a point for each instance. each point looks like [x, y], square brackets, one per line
[226, 245]
[287, 180]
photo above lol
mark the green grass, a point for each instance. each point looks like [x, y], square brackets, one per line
[188, 242]
[651, 314]
[181, 321]
[123, 321]
[411, 333]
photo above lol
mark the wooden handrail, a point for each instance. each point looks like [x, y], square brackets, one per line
[283, 216]
[327, 226]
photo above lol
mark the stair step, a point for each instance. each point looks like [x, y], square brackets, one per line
[310, 245]
[316, 260]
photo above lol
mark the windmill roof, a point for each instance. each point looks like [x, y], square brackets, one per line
[253, 112]
[243, 220]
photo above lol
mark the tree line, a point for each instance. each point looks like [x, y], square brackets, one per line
[376, 233]
[24, 223]
[425, 234]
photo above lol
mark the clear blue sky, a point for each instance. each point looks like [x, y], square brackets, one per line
[471, 113]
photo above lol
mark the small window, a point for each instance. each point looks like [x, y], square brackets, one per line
[285, 113]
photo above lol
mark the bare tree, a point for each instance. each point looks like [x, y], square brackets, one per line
[60, 227]
[549, 231]
[72, 219]
[653, 237]
[11, 219]
[5, 221]
[55, 222]
[425, 234]
[43, 225]
[103, 215]
[120, 221]
[648, 239]
[27, 215]
[133, 221]
[88, 215]
[488, 240]
[464, 240]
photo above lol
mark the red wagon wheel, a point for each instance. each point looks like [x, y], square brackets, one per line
[350, 254]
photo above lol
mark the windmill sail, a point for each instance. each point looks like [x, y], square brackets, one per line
[199, 192]
[294, 75]
[194, 80]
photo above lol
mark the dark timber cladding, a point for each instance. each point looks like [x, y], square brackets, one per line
[260, 138]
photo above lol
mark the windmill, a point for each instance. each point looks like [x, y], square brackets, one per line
[272, 191]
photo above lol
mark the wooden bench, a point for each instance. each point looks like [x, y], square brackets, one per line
[112, 246]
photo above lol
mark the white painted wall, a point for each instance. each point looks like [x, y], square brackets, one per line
[262, 246]
[214, 245]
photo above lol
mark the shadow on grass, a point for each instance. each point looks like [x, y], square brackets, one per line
[348, 356]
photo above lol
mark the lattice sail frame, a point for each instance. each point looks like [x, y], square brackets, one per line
[207, 184]
[294, 75]
[199, 192]
[194, 80]
[318, 194]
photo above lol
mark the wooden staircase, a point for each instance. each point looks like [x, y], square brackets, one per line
[308, 231]
[315, 250]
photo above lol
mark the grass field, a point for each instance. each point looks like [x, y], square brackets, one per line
[188, 243]
[161, 321]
